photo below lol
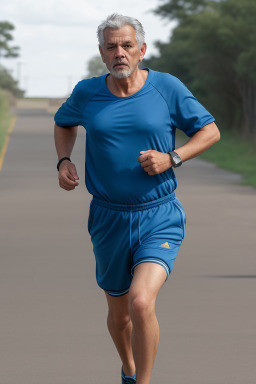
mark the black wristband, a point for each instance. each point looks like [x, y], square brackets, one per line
[60, 161]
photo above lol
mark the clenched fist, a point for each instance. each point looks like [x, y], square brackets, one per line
[155, 162]
[68, 175]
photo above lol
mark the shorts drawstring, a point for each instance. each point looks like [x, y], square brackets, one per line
[131, 228]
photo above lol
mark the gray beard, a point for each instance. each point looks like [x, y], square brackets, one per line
[122, 73]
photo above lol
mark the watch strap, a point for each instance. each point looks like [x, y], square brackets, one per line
[60, 161]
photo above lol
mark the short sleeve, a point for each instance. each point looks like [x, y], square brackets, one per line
[69, 114]
[187, 113]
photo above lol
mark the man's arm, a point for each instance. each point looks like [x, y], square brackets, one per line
[155, 162]
[199, 142]
[65, 138]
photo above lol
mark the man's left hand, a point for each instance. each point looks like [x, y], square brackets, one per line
[154, 162]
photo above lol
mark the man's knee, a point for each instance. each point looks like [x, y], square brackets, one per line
[118, 320]
[141, 306]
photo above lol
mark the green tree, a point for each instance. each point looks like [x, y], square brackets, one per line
[237, 35]
[181, 9]
[7, 82]
[96, 67]
[213, 51]
[5, 38]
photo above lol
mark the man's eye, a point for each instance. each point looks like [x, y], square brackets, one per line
[126, 45]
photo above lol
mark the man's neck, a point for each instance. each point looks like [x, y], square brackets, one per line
[128, 86]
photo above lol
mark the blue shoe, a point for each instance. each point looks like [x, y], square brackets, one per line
[128, 379]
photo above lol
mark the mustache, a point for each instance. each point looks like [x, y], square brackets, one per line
[120, 62]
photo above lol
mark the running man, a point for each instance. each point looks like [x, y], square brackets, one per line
[136, 223]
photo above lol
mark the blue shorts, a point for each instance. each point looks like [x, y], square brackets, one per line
[124, 236]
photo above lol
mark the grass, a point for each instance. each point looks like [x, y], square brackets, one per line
[5, 118]
[233, 154]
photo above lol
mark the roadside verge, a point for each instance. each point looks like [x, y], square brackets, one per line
[7, 122]
[5, 139]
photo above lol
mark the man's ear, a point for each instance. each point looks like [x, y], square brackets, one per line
[101, 53]
[143, 51]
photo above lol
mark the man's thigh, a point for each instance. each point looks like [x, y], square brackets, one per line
[147, 280]
[118, 305]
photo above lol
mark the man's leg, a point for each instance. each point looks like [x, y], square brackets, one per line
[148, 278]
[120, 328]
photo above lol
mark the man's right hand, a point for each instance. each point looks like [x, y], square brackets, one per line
[68, 175]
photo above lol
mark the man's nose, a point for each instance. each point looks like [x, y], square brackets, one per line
[119, 52]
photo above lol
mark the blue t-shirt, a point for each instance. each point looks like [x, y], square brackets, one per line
[118, 128]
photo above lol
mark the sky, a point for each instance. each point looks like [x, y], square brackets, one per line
[58, 37]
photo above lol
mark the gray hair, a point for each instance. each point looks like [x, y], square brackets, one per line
[117, 21]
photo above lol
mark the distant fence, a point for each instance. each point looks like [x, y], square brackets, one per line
[49, 105]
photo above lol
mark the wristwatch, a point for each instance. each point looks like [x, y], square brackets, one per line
[175, 159]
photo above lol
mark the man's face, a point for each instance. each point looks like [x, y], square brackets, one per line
[121, 52]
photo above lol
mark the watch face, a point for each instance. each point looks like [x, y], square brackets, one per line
[176, 160]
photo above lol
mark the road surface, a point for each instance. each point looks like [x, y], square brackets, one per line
[53, 315]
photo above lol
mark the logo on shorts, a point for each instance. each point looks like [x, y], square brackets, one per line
[166, 245]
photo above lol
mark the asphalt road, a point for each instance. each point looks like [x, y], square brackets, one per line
[52, 313]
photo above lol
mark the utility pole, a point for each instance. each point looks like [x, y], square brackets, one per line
[26, 84]
[19, 64]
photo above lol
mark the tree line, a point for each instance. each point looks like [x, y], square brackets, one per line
[7, 82]
[212, 50]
